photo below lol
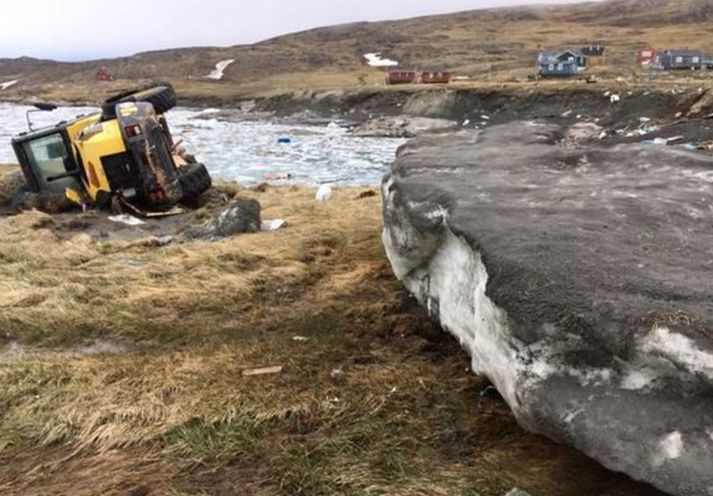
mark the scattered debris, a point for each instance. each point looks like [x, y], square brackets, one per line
[278, 176]
[517, 492]
[324, 193]
[583, 131]
[262, 371]
[367, 194]
[220, 68]
[127, 219]
[614, 98]
[336, 373]
[300, 339]
[273, 225]
[284, 140]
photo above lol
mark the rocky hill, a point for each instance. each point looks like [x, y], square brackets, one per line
[496, 44]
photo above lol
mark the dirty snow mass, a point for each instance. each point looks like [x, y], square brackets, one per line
[249, 151]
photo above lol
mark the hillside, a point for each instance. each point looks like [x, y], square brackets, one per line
[482, 45]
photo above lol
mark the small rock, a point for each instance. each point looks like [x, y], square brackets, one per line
[367, 194]
[260, 188]
[243, 216]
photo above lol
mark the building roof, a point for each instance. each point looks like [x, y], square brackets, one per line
[554, 55]
[684, 53]
[594, 50]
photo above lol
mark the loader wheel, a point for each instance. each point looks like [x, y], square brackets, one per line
[195, 181]
[161, 95]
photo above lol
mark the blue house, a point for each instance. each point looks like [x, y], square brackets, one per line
[565, 63]
[683, 59]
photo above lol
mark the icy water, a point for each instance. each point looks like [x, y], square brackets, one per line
[247, 151]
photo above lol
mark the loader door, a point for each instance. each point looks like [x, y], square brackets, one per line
[48, 157]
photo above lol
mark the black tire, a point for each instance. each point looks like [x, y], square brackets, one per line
[161, 95]
[195, 181]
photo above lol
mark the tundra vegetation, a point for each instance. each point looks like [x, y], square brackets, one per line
[125, 367]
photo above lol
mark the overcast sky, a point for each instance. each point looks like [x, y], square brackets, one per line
[85, 29]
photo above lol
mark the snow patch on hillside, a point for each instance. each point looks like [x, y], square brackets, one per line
[219, 71]
[6, 85]
[375, 60]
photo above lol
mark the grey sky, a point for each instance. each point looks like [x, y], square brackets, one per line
[82, 29]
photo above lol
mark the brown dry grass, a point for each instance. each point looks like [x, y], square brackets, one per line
[121, 370]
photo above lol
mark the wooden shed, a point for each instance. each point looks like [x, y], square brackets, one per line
[595, 55]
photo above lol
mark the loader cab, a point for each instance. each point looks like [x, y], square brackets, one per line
[47, 160]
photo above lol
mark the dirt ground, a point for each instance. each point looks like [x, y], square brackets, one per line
[128, 368]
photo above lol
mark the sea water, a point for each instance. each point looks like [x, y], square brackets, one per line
[247, 151]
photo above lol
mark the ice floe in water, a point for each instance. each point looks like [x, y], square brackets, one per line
[247, 151]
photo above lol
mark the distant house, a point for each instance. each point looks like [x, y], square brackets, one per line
[565, 63]
[104, 74]
[683, 59]
[646, 56]
[594, 55]
[418, 77]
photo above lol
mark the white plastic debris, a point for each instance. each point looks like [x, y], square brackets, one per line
[324, 193]
[644, 119]
[485, 117]
[273, 225]
[566, 114]
[300, 339]
[466, 122]
[615, 99]
[603, 135]
[127, 219]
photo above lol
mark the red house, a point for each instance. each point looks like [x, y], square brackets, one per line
[646, 55]
[418, 77]
[103, 74]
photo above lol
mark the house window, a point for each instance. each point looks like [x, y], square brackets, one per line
[696, 60]
[646, 54]
[560, 67]
[679, 60]
[551, 67]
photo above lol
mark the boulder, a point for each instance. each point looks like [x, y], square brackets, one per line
[243, 216]
[578, 279]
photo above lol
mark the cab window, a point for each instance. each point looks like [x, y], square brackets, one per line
[47, 157]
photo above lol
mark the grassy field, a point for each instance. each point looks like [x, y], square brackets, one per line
[125, 369]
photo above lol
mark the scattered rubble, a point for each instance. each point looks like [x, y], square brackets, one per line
[262, 371]
[402, 127]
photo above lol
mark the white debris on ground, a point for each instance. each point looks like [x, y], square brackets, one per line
[220, 68]
[127, 219]
[273, 225]
[7, 84]
[324, 193]
[375, 60]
